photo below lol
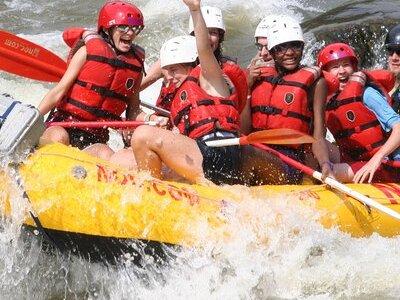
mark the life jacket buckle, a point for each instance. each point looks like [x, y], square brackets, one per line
[275, 80]
[269, 110]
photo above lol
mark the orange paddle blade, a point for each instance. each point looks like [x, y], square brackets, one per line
[281, 136]
[24, 58]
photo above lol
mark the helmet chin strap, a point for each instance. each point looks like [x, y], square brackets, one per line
[106, 35]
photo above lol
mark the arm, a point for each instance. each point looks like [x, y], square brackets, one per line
[133, 110]
[254, 69]
[211, 79]
[389, 121]
[245, 118]
[56, 93]
[320, 147]
[152, 76]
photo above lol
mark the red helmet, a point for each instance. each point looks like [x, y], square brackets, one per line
[334, 52]
[119, 13]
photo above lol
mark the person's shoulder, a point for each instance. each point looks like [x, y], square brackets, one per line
[372, 97]
[138, 51]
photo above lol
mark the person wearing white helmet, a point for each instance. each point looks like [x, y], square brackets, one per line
[287, 95]
[235, 76]
[262, 56]
[215, 25]
[201, 109]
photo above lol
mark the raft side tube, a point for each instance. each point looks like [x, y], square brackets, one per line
[21, 126]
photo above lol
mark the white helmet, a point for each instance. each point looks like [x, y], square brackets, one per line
[178, 50]
[284, 29]
[212, 16]
[264, 25]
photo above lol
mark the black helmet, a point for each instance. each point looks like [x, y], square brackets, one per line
[393, 37]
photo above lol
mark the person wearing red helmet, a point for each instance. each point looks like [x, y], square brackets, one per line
[359, 115]
[285, 95]
[201, 110]
[102, 79]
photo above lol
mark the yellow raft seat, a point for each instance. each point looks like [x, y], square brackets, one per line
[89, 206]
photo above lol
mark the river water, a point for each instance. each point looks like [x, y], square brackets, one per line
[315, 263]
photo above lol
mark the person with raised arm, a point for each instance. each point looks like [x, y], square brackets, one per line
[235, 77]
[201, 108]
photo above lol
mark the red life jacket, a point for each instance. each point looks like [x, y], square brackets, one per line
[283, 102]
[239, 79]
[164, 100]
[332, 83]
[72, 35]
[104, 83]
[236, 75]
[355, 127]
[195, 113]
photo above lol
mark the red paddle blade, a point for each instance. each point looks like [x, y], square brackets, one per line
[24, 58]
[281, 136]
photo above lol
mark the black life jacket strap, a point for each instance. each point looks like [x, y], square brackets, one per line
[103, 91]
[117, 63]
[100, 113]
[270, 110]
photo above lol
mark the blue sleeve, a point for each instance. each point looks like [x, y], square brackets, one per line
[378, 104]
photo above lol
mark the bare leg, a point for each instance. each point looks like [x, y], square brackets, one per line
[124, 158]
[99, 150]
[54, 134]
[152, 146]
[343, 172]
[260, 167]
[334, 153]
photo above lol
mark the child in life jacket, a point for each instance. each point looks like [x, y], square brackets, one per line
[392, 44]
[234, 75]
[102, 79]
[285, 95]
[262, 56]
[202, 109]
[359, 115]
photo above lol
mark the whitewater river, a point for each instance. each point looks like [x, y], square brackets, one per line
[314, 263]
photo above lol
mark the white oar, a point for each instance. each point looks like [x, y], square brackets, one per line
[331, 182]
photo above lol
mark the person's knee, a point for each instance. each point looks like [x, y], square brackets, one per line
[343, 172]
[54, 134]
[124, 158]
[102, 151]
[142, 136]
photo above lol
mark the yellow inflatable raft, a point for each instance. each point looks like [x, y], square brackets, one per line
[87, 205]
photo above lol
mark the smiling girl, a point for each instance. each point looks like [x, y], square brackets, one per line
[102, 79]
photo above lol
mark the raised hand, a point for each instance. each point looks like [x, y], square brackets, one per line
[192, 4]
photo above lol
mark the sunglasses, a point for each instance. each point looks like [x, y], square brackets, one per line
[260, 47]
[126, 28]
[391, 51]
[282, 48]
